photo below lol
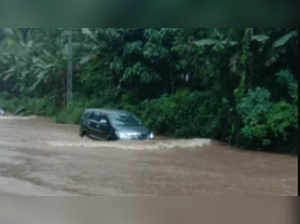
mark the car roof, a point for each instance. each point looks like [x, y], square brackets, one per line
[106, 111]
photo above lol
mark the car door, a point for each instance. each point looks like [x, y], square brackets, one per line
[106, 127]
[93, 124]
[103, 127]
[99, 126]
[88, 122]
[84, 120]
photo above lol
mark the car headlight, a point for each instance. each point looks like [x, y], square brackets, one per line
[151, 136]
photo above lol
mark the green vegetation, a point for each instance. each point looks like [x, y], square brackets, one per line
[235, 85]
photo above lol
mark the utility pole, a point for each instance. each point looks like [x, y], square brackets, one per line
[70, 72]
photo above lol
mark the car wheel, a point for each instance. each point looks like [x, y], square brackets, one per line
[111, 137]
[81, 133]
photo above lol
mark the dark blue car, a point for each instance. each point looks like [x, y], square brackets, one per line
[113, 125]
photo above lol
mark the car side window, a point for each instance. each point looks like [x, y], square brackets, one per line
[97, 117]
[105, 118]
[90, 115]
[87, 115]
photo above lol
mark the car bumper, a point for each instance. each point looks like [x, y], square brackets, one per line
[140, 137]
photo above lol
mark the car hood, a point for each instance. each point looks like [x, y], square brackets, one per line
[136, 129]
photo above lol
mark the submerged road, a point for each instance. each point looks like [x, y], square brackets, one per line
[39, 157]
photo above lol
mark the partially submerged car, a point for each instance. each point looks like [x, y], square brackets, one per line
[113, 125]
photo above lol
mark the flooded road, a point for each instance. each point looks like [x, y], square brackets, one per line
[39, 157]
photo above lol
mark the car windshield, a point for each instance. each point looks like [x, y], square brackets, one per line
[124, 120]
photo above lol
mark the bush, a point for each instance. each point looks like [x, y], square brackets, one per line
[71, 114]
[129, 101]
[283, 120]
[8, 103]
[254, 109]
[27, 106]
[184, 114]
[266, 123]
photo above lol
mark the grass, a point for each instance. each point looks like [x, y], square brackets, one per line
[45, 107]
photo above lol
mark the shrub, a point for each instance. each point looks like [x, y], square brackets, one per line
[283, 119]
[266, 123]
[27, 106]
[8, 103]
[184, 114]
[254, 109]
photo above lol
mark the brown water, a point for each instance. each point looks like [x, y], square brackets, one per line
[39, 157]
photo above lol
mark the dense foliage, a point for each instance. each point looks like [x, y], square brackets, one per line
[235, 84]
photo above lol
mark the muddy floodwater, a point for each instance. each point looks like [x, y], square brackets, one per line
[39, 157]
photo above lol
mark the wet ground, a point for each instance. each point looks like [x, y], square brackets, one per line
[39, 157]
